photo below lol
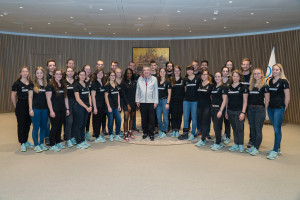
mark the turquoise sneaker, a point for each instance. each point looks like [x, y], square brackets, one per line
[100, 139]
[214, 140]
[227, 140]
[241, 148]
[54, 148]
[272, 155]
[177, 134]
[60, 146]
[43, 147]
[87, 135]
[38, 149]
[86, 143]
[173, 134]
[70, 144]
[160, 133]
[28, 144]
[73, 140]
[278, 153]
[118, 138]
[23, 148]
[192, 137]
[200, 143]
[224, 137]
[216, 147]
[235, 147]
[111, 137]
[250, 150]
[163, 135]
[254, 152]
[81, 146]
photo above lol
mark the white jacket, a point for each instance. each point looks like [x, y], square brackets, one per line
[147, 90]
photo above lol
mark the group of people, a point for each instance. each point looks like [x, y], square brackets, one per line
[67, 99]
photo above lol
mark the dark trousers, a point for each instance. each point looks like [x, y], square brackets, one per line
[87, 125]
[148, 118]
[98, 120]
[176, 110]
[237, 126]
[68, 127]
[227, 127]
[56, 126]
[80, 120]
[256, 117]
[203, 119]
[217, 124]
[23, 119]
[104, 122]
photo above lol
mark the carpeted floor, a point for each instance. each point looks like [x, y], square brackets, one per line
[164, 169]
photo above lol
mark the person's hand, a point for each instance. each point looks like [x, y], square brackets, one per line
[95, 111]
[52, 114]
[68, 113]
[155, 105]
[119, 108]
[242, 117]
[109, 109]
[226, 115]
[89, 109]
[31, 113]
[129, 108]
[219, 114]
[167, 106]
[138, 104]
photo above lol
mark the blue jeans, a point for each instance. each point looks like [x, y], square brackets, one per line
[39, 122]
[111, 115]
[276, 117]
[161, 110]
[190, 107]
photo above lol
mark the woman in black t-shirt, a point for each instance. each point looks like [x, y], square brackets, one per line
[279, 101]
[83, 107]
[19, 98]
[38, 109]
[97, 91]
[57, 100]
[258, 101]
[87, 70]
[236, 110]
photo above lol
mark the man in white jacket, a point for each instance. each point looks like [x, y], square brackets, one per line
[147, 99]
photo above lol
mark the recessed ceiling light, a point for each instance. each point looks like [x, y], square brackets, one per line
[190, 31]
[71, 17]
[225, 27]
[30, 28]
[168, 24]
[90, 33]
[229, 1]
[108, 24]
[251, 13]
[214, 18]
[267, 22]
[178, 11]
[114, 33]
[20, 7]
[1, 15]
[100, 9]
[139, 18]
[204, 20]
[49, 23]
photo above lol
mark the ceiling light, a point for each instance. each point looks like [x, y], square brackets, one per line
[205, 20]
[225, 27]
[251, 13]
[229, 1]
[90, 33]
[267, 22]
[139, 18]
[1, 15]
[30, 28]
[216, 12]
[168, 24]
[178, 11]
[49, 23]
[190, 31]
[100, 9]
[66, 32]
[21, 7]
[108, 24]
[71, 17]
[114, 33]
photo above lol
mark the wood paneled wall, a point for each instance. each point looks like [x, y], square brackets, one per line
[17, 51]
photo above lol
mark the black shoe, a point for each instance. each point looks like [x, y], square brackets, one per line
[152, 138]
[145, 136]
[184, 136]
[208, 137]
[249, 145]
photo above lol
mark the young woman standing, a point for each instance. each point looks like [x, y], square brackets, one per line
[38, 109]
[236, 110]
[98, 100]
[226, 80]
[112, 100]
[164, 97]
[83, 107]
[177, 96]
[57, 100]
[87, 70]
[218, 104]
[279, 101]
[258, 101]
[204, 106]
[19, 98]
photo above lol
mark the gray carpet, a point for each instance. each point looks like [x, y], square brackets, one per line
[153, 170]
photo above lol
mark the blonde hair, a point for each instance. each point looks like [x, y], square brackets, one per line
[282, 76]
[36, 83]
[252, 81]
[28, 77]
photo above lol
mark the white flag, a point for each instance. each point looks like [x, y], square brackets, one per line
[272, 62]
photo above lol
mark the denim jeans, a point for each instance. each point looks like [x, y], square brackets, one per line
[190, 107]
[69, 127]
[276, 117]
[160, 110]
[79, 121]
[237, 126]
[256, 117]
[111, 115]
[39, 123]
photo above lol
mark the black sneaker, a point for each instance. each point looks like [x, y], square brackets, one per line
[249, 145]
[104, 132]
[145, 136]
[184, 136]
[152, 138]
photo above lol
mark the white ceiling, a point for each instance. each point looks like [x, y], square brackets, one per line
[159, 19]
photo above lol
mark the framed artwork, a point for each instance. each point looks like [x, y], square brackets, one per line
[143, 56]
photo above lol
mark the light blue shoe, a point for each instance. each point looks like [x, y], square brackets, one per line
[254, 152]
[160, 133]
[81, 146]
[278, 153]
[23, 148]
[216, 147]
[73, 141]
[70, 144]
[214, 141]
[163, 135]
[241, 148]
[111, 137]
[227, 140]
[38, 149]
[86, 143]
[250, 150]
[272, 155]
[235, 147]
[100, 139]
[54, 148]
[60, 146]
[177, 134]
[28, 144]
[118, 138]
[43, 147]
[200, 143]
[224, 137]
[87, 135]
[173, 134]
[192, 137]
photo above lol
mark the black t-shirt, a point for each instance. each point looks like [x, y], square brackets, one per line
[21, 89]
[83, 92]
[246, 80]
[177, 94]
[217, 94]
[113, 94]
[48, 77]
[57, 98]
[235, 97]
[257, 96]
[135, 77]
[191, 88]
[203, 93]
[163, 90]
[169, 75]
[277, 92]
[39, 100]
[129, 90]
[100, 89]
[70, 88]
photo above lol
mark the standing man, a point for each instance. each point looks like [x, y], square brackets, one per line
[114, 65]
[153, 66]
[147, 99]
[170, 68]
[195, 64]
[203, 66]
[132, 66]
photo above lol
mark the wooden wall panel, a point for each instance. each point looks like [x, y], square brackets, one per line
[17, 51]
